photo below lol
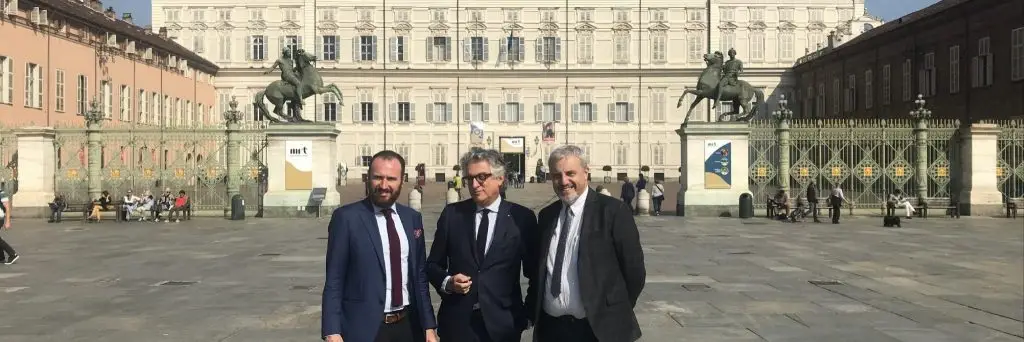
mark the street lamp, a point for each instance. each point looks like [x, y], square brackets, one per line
[490, 142]
[921, 113]
[536, 140]
[782, 112]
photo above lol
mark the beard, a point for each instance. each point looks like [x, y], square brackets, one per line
[572, 195]
[385, 203]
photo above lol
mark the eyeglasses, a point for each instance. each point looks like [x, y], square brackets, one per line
[481, 177]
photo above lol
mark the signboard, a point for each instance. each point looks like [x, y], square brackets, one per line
[476, 134]
[717, 164]
[512, 145]
[298, 165]
[548, 132]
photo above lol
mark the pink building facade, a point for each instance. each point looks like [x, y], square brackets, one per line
[58, 56]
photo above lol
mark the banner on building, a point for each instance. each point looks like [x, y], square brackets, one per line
[298, 165]
[476, 134]
[512, 145]
[717, 164]
[548, 133]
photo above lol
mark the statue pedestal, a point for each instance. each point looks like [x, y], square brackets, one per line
[302, 174]
[715, 169]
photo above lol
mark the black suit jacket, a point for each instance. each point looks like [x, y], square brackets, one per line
[496, 281]
[611, 266]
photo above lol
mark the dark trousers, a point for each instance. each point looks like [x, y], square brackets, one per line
[657, 204]
[836, 205]
[813, 205]
[629, 203]
[55, 212]
[5, 249]
[563, 329]
[400, 331]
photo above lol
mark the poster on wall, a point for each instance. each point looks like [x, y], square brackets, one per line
[298, 165]
[548, 132]
[476, 134]
[717, 164]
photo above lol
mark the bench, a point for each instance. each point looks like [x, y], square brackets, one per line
[86, 210]
[1013, 205]
[772, 209]
[952, 207]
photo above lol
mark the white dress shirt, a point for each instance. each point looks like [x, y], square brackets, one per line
[382, 228]
[569, 301]
[492, 217]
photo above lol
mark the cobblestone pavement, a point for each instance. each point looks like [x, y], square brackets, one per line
[708, 279]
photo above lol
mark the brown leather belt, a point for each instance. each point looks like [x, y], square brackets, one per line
[394, 316]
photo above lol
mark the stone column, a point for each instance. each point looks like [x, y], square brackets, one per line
[707, 190]
[95, 137]
[784, 165]
[979, 195]
[921, 140]
[301, 161]
[36, 168]
[232, 154]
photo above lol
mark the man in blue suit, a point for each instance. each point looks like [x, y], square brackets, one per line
[476, 257]
[376, 288]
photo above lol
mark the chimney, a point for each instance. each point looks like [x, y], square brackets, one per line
[127, 17]
[110, 13]
[832, 39]
[163, 32]
[96, 5]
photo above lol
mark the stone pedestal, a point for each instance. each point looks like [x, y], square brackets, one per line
[643, 203]
[300, 158]
[415, 200]
[980, 194]
[715, 168]
[36, 167]
[451, 196]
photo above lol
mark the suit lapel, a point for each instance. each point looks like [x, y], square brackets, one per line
[590, 212]
[370, 224]
[468, 210]
[499, 235]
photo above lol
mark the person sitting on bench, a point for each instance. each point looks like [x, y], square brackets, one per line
[104, 203]
[781, 203]
[896, 199]
[57, 207]
[180, 206]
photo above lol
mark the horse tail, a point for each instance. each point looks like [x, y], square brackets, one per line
[258, 101]
[759, 95]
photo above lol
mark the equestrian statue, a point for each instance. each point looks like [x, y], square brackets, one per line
[299, 80]
[720, 81]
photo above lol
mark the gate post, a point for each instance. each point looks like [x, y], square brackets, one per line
[93, 119]
[231, 117]
[922, 115]
[783, 114]
[36, 157]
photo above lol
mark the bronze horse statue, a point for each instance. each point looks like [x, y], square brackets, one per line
[278, 92]
[740, 94]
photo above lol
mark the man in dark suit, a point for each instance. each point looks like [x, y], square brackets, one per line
[586, 260]
[376, 288]
[476, 255]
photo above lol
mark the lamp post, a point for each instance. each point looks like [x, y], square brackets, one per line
[232, 117]
[921, 115]
[490, 142]
[94, 116]
[783, 114]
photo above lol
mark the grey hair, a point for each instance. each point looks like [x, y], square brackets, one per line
[568, 151]
[492, 157]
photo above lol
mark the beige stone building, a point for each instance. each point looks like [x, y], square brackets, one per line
[417, 75]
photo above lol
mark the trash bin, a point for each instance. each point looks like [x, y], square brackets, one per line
[746, 206]
[237, 207]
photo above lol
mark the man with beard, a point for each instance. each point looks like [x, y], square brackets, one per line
[476, 255]
[588, 266]
[376, 288]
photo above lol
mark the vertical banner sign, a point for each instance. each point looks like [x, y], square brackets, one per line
[298, 165]
[549, 132]
[717, 164]
[476, 134]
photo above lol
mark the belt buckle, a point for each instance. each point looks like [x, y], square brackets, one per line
[393, 317]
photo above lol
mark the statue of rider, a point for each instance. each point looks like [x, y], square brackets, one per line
[730, 74]
[289, 72]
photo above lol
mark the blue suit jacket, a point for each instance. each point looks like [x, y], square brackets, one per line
[353, 299]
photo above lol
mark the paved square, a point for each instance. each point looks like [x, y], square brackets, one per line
[708, 280]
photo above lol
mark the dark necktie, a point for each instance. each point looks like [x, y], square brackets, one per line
[563, 235]
[395, 256]
[481, 234]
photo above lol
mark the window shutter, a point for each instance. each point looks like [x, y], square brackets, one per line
[319, 116]
[355, 49]
[393, 107]
[248, 48]
[467, 49]
[558, 112]
[280, 45]
[430, 49]
[611, 112]
[558, 48]
[501, 112]
[28, 86]
[447, 112]
[538, 51]
[430, 112]
[522, 112]
[298, 43]
[486, 114]
[487, 50]
[465, 112]
[522, 49]
[356, 112]
[575, 112]
[373, 48]
[393, 48]
[631, 114]
[412, 112]
[537, 109]
[503, 50]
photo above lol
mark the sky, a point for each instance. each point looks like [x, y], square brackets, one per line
[887, 9]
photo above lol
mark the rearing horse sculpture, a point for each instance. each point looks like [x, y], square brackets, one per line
[740, 94]
[279, 92]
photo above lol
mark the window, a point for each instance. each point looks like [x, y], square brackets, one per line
[512, 109]
[584, 15]
[439, 110]
[198, 15]
[401, 109]
[659, 45]
[657, 154]
[364, 48]
[786, 14]
[199, 43]
[329, 48]
[727, 40]
[786, 45]
[439, 49]
[82, 94]
[815, 40]
[621, 110]
[224, 45]
[549, 110]
[621, 15]
[476, 110]
[439, 154]
[291, 43]
[514, 49]
[756, 14]
[365, 14]
[364, 109]
[583, 110]
[399, 49]
[692, 14]
[125, 106]
[476, 49]
[512, 15]
[401, 15]
[1017, 54]
[224, 14]
[837, 93]
[172, 15]
[439, 15]
[257, 50]
[106, 98]
[549, 49]
[927, 75]
[954, 69]
[728, 14]
[326, 13]
[59, 91]
[886, 82]
[144, 107]
[621, 42]
[547, 16]
[820, 101]
[851, 93]
[621, 153]
[33, 85]
[585, 47]
[845, 14]
[869, 89]
[6, 80]
[291, 14]
[658, 104]
[476, 16]
[907, 87]
[365, 155]
[405, 151]
[155, 113]
[330, 109]
[981, 65]
[255, 14]
[757, 45]
[817, 15]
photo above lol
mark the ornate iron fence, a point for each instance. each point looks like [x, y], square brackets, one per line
[868, 159]
[1010, 167]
